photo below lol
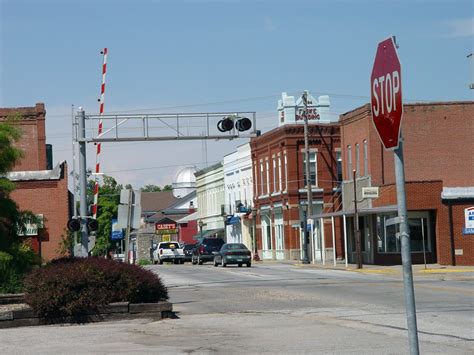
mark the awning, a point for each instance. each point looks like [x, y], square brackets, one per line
[210, 233]
[232, 220]
[361, 212]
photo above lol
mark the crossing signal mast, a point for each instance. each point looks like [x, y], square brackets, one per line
[150, 127]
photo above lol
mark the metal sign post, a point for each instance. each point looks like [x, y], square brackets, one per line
[387, 112]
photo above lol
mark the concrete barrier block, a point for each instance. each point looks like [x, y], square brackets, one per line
[150, 307]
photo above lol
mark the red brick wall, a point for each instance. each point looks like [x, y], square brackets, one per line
[33, 140]
[437, 137]
[461, 241]
[49, 198]
[290, 138]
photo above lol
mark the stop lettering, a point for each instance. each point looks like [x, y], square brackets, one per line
[386, 94]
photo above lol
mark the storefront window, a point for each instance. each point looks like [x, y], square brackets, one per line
[388, 240]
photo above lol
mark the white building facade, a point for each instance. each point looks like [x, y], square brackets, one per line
[238, 196]
[210, 199]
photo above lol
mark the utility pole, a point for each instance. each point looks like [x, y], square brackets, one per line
[83, 183]
[308, 180]
[356, 224]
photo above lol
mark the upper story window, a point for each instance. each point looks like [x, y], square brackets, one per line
[268, 176]
[286, 172]
[349, 162]
[261, 178]
[339, 166]
[366, 159]
[279, 173]
[312, 169]
[274, 174]
[357, 159]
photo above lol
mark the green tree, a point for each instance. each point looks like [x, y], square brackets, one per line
[16, 258]
[109, 199]
[156, 188]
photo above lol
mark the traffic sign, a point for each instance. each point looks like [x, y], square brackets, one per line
[386, 93]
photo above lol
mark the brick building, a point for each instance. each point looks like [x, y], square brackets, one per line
[280, 194]
[39, 189]
[439, 173]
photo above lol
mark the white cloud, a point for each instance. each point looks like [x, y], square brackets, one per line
[461, 27]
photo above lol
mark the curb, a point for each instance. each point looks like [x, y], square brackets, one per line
[114, 311]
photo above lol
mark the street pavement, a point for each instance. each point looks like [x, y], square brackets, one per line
[276, 308]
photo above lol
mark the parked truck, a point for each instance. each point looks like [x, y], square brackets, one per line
[168, 251]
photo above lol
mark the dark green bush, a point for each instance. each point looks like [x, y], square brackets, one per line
[14, 265]
[77, 287]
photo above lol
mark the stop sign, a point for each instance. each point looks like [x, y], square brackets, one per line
[386, 93]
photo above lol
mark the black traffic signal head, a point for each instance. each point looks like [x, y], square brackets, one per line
[92, 224]
[73, 225]
[225, 125]
[243, 124]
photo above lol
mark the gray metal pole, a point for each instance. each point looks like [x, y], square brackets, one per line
[83, 182]
[406, 252]
[357, 235]
[129, 222]
[309, 190]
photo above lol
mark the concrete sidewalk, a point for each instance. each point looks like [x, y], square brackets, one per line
[418, 270]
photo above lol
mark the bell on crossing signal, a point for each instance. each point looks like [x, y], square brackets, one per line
[243, 124]
[73, 225]
[93, 225]
[225, 125]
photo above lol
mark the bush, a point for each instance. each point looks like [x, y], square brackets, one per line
[143, 262]
[13, 267]
[77, 287]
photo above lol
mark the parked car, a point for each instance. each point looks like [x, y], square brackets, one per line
[168, 251]
[205, 250]
[233, 253]
[188, 251]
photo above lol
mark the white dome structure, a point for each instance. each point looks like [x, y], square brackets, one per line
[184, 182]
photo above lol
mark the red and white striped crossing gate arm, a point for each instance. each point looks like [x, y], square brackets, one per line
[101, 112]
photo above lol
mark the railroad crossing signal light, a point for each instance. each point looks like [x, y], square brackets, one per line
[73, 225]
[92, 224]
[227, 124]
[243, 124]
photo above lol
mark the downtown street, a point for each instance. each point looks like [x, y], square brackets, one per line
[277, 308]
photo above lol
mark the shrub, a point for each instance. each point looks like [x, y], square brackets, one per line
[143, 262]
[13, 267]
[77, 287]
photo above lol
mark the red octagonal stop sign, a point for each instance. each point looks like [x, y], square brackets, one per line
[386, 93]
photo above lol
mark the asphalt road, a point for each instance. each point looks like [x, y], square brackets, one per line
[275, 308]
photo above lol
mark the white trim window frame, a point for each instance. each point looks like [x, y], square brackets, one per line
[280, 185]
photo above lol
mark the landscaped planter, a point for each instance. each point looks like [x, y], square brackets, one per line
[114, 311]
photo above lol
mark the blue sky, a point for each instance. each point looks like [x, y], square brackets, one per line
[196, 54]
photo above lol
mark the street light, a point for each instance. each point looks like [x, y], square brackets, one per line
[305, 234]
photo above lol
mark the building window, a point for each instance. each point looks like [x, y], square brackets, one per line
[388, 240]
[268, 176]
[286, 173]
[261, 178]
[255, 178]
[279, 174]
[339, 167]
[349, 162]
[357, 160]
[274, 175]
[312, 168]
[366, 159]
